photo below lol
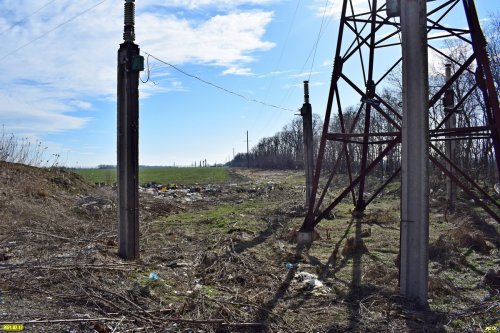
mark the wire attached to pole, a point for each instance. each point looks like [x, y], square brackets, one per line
[217, 86]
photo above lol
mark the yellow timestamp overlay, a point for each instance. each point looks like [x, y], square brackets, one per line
[491, 329]
[12, 327]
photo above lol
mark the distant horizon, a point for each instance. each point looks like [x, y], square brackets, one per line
[98, 167]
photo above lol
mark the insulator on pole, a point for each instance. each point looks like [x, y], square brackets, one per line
[306, 91]
[128, 32]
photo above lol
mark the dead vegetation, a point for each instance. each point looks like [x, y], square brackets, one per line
[219, 259]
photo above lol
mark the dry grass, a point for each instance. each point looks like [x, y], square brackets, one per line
[223, 262]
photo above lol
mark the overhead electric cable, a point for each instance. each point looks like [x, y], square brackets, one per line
[318, 38]
[311, 52]
[26, 17]
[276, 67]
[52, 30]
[216, 85]
[272, 119]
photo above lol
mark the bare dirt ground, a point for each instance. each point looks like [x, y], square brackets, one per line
[220, 258]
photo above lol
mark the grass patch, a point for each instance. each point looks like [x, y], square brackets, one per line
[222, 217]
[186, 176]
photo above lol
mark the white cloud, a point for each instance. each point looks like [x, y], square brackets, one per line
[35, 116]
[223, 40]
[301, 85]
[195, 4]
[81, 104]
[271, 74]
[437, 61]
[327, 63]
[238, 71]
[56, 74]
[304, 74]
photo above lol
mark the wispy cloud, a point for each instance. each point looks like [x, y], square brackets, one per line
[300, 85]
[305, 74]
[273, 73]
[245, 71]
[196, 4]
[223, 40]
[50, 85]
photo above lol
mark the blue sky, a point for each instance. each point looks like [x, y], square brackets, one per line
[59, 73]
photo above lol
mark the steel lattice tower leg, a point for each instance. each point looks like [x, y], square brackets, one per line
[368, 37]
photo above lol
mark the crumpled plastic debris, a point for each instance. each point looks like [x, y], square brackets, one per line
[312, 283]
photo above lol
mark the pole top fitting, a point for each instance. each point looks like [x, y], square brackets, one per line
[306, 92]
[129, 21]
[447, 65]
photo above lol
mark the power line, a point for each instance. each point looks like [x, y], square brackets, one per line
[272, 119]
[52, 30]
[312, 51]
[318, 38]
[284, 44]
[216, 85]
[26, 17]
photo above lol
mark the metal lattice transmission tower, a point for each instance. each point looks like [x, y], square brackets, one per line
[361, 134]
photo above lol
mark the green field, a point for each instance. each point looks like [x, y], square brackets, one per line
[186, 176]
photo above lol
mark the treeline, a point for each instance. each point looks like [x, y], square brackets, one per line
[285, 150]
[475, 154]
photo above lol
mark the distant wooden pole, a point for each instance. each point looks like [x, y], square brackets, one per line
[130, 63]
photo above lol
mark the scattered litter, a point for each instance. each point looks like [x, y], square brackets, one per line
[172, 264]
[312, 283]
[175, 264]
[94, 203]
[366, 232]
[304, 276]
[153, 276]
[89, 249]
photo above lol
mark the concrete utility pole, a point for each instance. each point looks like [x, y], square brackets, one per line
[130, 63]
[307, 132]
[415, 153]
[248, 154]
[450, 146]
